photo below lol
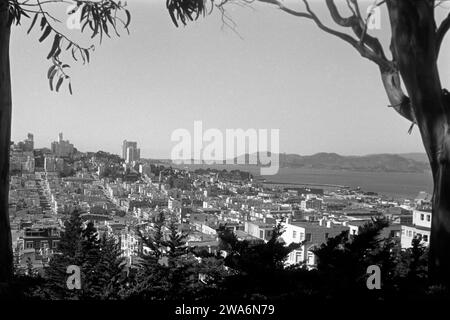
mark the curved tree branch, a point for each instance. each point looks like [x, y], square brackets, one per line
[358, 26]
[390, 76]
[398, 100]
[282, 7]
[368, 46]
[441, 32]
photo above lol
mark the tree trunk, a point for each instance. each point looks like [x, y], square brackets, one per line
[440, 229]
[414, 48]
[6, 254]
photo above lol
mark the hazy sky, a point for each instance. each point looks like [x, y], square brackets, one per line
[283, 73]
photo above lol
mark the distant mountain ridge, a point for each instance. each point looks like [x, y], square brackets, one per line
[417, 156]
[413, 162]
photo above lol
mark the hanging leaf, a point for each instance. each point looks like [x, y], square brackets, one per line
[87, 54]
[84, 11]
[59, 83]
[45, 34]
[94, 33]
[108, 16]
[50, 81]
[128, 18]
[70, 88]
[83, 56]
[73, 54]
[84, 25]
[43, 22]
[50, 70]
[53, 73]
[174, 20]
[57, 53]
[24, 13]
[105, 27]
[33, 23]
[55, 46]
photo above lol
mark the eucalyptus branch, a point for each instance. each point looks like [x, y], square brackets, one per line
[98, 15]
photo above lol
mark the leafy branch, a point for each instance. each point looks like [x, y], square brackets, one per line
[101, 17]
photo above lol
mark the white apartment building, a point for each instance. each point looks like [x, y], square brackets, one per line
[173, 204]
[421, 227]
[313, 234]
[129, 244]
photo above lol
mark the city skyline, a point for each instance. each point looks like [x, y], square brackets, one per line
[158, 79]
[120, 153]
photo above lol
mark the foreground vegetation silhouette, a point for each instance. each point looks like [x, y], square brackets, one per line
[168, 270]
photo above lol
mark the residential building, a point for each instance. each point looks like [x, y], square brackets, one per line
[259, 229]
[420, 227]
[50, 164]
[43, 239]
[311, 235]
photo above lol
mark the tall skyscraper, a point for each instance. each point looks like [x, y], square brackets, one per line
[130, 151]
[124, 149]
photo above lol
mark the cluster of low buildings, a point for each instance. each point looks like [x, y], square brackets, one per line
[121, 196]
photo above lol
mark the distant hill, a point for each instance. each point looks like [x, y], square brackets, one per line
[416, 156]
[334, 161]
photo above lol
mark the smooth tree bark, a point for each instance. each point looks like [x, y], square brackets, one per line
[6, 253]
[415, 44]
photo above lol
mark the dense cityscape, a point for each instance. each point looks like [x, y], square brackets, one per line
[224, 159]
[120, 193]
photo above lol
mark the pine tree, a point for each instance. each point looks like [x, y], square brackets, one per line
[110, 269]
[146, 283]
[250, 258]
[342, 261]
[410, 275]
[182, 278]
[89, 256]
[101, 266]
[70, 237]
[169, 271]
[256, 269]
[55, 286]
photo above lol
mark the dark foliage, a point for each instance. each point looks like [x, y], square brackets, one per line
[168, 270]
[257, 269]
[102, 268]
[185, 10]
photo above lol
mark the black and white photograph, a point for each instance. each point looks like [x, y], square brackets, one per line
[228, 159]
